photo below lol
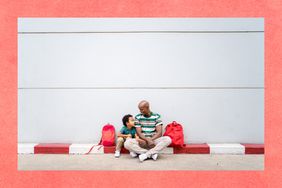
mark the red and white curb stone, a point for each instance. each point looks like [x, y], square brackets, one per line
[67, 148]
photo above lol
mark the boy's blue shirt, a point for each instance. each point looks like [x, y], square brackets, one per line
[125, 130]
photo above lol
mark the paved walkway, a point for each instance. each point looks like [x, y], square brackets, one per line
[125, 162]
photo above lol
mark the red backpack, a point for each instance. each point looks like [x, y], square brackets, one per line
[107, 139]
[175, 131]
[108, 135]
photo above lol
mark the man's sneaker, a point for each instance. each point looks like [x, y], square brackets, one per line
[155, 156]
[133, 154]
[117, 153]
[142, 157]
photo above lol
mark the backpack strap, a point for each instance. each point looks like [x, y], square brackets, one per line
[99, 144]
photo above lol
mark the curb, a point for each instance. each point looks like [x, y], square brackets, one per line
[67, 148]
[192, 149]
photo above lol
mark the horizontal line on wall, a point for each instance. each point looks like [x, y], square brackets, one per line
[141, 88]
[86, 32]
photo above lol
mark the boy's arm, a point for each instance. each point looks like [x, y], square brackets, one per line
[123, 135]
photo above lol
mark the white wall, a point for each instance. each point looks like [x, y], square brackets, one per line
[75, 75]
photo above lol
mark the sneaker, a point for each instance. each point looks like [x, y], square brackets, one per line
[117, 154]
[142, 157]
[155, 156]
[133, 154]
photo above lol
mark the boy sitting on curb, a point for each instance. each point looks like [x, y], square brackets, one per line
[127, 131]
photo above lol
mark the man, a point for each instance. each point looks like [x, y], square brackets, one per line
[149, 129]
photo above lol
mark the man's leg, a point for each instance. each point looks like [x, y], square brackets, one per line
[160, 143]
[133, 146]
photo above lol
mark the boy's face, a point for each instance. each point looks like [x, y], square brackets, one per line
[130, 122]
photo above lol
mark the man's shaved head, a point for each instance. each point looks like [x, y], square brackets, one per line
[143, 104]
[144, 108]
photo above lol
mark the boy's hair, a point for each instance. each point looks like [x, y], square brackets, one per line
[126, 118]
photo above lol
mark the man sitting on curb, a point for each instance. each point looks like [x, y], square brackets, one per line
[149, 129]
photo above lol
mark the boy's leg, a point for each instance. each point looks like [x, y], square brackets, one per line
[132, 145]
[160, 143]
[120, 142]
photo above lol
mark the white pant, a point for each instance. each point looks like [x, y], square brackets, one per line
[160, 144]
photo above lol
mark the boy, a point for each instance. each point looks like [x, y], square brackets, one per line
[127, 131]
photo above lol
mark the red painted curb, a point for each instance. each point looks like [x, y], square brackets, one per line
[112, 149]
[192, 149]
[51, 149]
[254, 148]
[198, 148]
[179, 150]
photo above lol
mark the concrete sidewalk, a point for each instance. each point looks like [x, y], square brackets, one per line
[125, 162]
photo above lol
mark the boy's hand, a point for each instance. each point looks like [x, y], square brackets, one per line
[129, 136]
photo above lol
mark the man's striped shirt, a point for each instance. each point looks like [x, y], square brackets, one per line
[148, 124]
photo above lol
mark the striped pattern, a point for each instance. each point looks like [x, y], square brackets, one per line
[33, 148]
[148, 124]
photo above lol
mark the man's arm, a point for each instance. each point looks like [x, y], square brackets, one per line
[140, 134]
[139, 130]
[144, 140]
[137, 137]
[159, 124]
[158, 132]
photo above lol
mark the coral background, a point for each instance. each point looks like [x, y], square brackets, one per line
[269, 9]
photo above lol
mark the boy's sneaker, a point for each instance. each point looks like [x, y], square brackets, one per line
[142, 157]
[155, 156]
[133, 154]
[117, 153]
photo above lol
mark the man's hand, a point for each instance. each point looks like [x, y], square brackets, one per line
[142, 143]
[150, 143]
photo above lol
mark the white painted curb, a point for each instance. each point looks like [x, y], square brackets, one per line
[226, 149]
